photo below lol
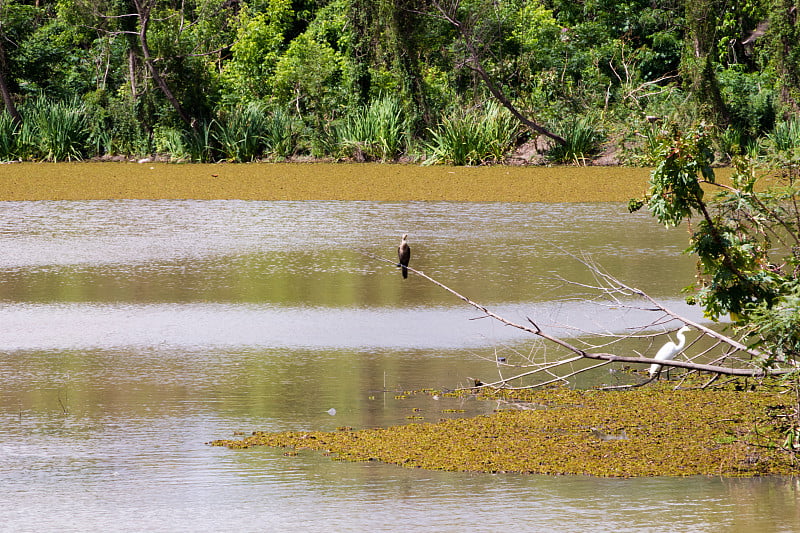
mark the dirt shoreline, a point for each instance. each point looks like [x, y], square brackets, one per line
[318, 181]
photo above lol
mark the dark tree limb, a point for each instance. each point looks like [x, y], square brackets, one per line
[473, 62]
[143, 9]
[5, 91]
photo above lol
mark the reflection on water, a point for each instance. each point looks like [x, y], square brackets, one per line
[132, 332]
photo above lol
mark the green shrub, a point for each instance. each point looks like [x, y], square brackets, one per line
[473, 137]
[749, 99]
[322, 140]
[185, 146]
[650, 144]
[123, 132]
[171, 142]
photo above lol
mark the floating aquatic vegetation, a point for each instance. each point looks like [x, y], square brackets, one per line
[655, 431]
[319, 181]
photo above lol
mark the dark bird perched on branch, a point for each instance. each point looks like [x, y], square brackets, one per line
[404, 255]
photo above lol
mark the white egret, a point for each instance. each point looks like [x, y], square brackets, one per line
[404, 255]
[669, 350]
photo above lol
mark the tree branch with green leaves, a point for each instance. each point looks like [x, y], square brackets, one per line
[746, 238]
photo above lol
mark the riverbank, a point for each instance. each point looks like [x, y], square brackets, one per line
[319, 181]
[643, 432]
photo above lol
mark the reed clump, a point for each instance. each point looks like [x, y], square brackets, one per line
[583, 140]
[53, 130]
[473, 137]
[374, 133]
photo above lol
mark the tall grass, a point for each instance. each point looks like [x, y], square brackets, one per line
[199, 142]
[185, 146]
[786, 135]
[583, 140]
[651, 145]
[322, 139]
[473, 137]
[252, 131]
[375, 132]
[9, 132]
[733, 141]
[281, 134]
[240, 132]
[55, 130]
[171, 141]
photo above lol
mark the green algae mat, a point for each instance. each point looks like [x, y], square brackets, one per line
[318, 181]
[656, 431]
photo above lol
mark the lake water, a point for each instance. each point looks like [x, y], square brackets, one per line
[133, 332]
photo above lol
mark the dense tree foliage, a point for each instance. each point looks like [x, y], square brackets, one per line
[191, 79]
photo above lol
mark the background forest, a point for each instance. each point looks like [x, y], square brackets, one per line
[459, 82]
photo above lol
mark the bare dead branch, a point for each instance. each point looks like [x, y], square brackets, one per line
[609, 285]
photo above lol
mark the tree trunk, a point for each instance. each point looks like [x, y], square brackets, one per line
[132, 73]
[505, 102]
[785, 33]
[8, 100]
[143, 8]
[698, 60]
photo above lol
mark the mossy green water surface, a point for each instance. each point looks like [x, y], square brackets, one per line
[319, 181]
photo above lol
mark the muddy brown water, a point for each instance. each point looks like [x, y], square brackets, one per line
[135, 330]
